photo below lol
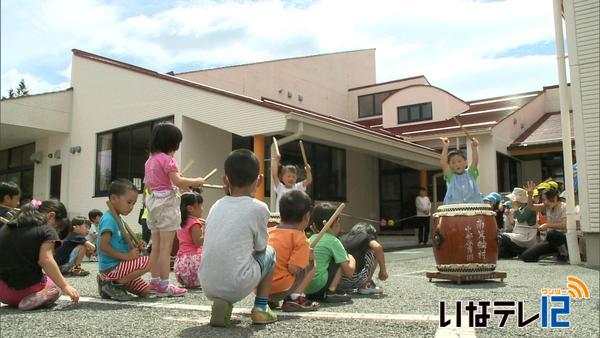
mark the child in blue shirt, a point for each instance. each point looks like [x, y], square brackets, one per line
[461, 181]
[120, 268]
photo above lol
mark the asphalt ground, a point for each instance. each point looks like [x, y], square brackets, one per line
[408, 308]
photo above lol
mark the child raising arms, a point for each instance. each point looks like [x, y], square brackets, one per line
[191, 238]
[120, 268]
[26, 247]
[162, 178]
[287, 180]
[461, 181]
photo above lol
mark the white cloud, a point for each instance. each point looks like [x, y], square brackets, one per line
[36, 85]
[450, 41]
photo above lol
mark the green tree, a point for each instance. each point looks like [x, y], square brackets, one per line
[21, 90]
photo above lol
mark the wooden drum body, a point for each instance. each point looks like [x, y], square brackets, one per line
[464, 239]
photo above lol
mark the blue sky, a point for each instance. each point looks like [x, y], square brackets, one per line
[473, 49]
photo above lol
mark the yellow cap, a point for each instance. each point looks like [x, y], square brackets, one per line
[535, 192]
[553, 184]
[543, 186]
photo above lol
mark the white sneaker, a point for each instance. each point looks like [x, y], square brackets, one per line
[371, 289]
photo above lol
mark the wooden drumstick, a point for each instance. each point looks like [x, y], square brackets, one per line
[303, 153]
[186, 167]
[213, 186]
[210, 174]
[333, 217]
[276, 147]
[131, 242]
[463, 128]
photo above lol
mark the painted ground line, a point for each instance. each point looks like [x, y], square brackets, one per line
[453, 331]
[403, 252]
[246, 311]
[411, 274]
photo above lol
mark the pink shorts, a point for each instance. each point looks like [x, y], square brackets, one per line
[137, 286]
[12, 297]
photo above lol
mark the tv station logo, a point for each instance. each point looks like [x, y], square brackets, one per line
[555, 307]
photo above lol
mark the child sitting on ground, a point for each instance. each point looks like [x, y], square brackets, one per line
[74, 247]
[121, 268]
[287, 180]
[235, 257]
[494, 200]
[331, 259]
[294, 267]
[10, 194]
[361, 243]
[26, 247]
[191, 238]
[94, 216]
[461, 181]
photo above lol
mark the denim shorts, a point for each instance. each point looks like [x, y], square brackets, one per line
[266, 260]
[71, 263]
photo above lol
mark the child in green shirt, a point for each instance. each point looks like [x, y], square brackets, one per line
[330, 257]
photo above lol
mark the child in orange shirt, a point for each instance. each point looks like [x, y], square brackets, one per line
[294, 267]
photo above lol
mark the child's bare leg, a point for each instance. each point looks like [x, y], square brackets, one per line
[336, 280]
[80, 254]
[264, 287]
[164, 259]
[154, 255]
[563, 250]
[307, 279]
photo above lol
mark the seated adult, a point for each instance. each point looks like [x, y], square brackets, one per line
[556, 223]
[524, 232]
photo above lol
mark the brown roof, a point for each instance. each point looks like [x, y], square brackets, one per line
[265, 102]
[388, 82]
[371, 122]
[546, 130]
[483, 114]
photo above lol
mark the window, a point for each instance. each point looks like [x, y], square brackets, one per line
[16, 167]
[328, 168]
[122, 153]
[399, 186]
[371, 105]
[415, 113]
[509, 173]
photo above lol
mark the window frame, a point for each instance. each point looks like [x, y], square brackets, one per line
[374, 104]
[113, 157]
[408, 109]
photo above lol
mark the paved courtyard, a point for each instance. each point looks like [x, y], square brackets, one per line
[409, 308]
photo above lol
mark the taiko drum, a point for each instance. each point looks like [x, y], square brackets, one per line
[464, 238]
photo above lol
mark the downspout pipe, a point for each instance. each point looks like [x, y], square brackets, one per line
[290, 138]
[572, 243]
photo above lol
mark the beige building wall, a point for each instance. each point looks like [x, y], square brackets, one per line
[322, 81]
[395, 85]
[444, 105]
[50, 111]
[105, 99]
[208, 147]
[41, 172]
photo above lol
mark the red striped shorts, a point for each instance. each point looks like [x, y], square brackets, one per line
[137, 286]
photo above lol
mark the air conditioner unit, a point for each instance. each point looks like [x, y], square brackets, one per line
[37, 157]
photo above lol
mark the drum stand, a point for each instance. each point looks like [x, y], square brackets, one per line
[467, 277]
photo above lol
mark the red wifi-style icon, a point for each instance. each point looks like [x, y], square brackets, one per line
[577, 288]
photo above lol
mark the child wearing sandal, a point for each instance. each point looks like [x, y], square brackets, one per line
[191, 238]
[27, 244]
[235, 257]
[74, 247]
[121, 269]
[295, 266]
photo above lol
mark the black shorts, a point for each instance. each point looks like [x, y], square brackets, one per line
[331, 271]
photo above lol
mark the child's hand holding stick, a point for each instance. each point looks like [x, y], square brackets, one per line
[277, 153]
[332, 219]
[303, 153]
[210, 174]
